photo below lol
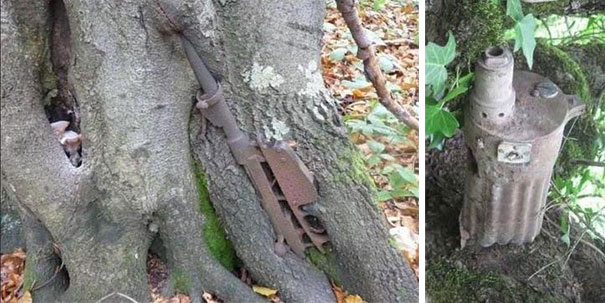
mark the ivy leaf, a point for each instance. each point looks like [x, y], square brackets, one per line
[441, 121]
[513, 9]
[525, 38]
[436, 141]
[437, 57]
[457, 91]
[466, 79]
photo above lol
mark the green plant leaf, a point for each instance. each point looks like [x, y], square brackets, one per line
[565, 229]
[436, 141]
[437, 57]
[357, 84]
[401, 176]
[457, 91]
[441, 121]
[338, 54]
[378, 4]
[525, 38]
[514, 10]
[441, 55]
[388, 63]
[466, 79]
[387, 157]
[373, 160]
[402, 193]
[329, 27]
[374, 37]
[383, 195]
[376, 147]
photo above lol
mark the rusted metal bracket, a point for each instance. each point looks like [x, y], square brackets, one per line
[281, 179]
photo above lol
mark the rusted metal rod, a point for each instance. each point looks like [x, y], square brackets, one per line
[367, 53]
[283, 182]
[203, 75]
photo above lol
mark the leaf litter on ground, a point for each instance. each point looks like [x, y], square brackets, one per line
[389, 148]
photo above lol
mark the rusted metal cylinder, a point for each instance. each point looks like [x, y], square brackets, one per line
[513, 146]
[493, 96]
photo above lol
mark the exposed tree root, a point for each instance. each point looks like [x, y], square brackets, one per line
[192, 269]
[45, 276]
[252, 234]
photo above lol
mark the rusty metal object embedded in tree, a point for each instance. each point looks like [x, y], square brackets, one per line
[281, 179]
[514, 123]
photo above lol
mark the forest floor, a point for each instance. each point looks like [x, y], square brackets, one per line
[389, 148]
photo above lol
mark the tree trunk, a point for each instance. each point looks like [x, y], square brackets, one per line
[132, 86]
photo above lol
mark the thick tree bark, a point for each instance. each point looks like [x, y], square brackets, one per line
[134, 87]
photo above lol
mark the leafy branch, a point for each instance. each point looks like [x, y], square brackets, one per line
[440, 122]
[524, 30]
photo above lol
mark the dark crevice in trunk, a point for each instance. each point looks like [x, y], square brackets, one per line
[62, 104]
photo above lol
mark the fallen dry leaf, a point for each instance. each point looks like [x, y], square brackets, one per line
[26, 298]
[264, 291]
[353, 299]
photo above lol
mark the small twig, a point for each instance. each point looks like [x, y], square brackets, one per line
[119, 294]
[600, 252]
[593, 247]
[588, 162]
[372, 70]
[573, 248]
[399, 41]
[541, 269]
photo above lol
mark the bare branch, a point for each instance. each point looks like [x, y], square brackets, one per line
[372, 70]
[588, 162]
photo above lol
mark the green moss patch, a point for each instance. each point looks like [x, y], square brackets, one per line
[562, 69]
[480, 24]
[326, 262]
[449, 283]
[180, 281]
[214, 234]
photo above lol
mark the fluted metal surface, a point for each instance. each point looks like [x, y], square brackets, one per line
[511, 157]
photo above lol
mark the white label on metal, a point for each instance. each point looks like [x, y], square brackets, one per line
[515, 153]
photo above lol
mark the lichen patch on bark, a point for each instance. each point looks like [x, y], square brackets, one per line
[260, 77]
[315, 82]
[277, 131]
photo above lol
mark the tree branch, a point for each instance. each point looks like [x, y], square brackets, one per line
[588, 162]
[372, 70]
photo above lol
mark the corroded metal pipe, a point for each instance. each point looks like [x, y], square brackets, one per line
[282, 180]
[513, 128]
